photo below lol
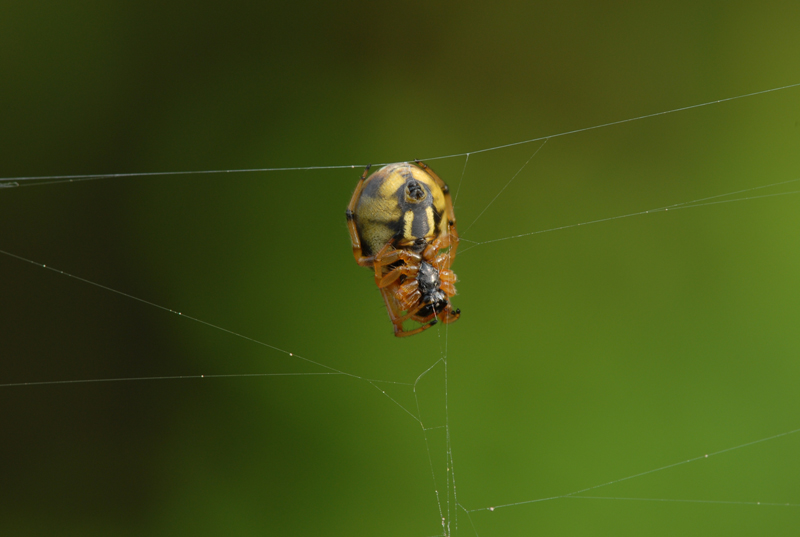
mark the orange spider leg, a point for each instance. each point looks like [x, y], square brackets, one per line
[448, 240]
[447, 316]
[451, 239]
[410, 292]
[404, 333]
[447, 276]
[412, 314]
[386, 257]
[408, 303]
[448, 288]
[408, 295]
[450, 315]
[397, 319]
[392, 275]
[443, 262]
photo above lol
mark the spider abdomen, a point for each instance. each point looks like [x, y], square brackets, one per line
[401, 203]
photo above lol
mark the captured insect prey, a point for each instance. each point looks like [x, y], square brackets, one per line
[402, 226]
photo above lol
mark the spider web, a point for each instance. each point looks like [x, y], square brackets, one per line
[421, 396]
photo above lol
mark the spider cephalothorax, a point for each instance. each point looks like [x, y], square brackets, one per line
[402, 225]
[429, 286]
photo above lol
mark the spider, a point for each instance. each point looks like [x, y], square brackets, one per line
[400, 219]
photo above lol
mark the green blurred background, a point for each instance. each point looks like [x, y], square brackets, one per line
[583, 355]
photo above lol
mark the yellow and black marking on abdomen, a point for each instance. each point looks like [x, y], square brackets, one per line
[400, 203]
